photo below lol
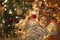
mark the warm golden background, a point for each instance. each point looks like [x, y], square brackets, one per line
[52, 3]
[57, 37]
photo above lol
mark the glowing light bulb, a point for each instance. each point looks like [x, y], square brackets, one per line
[5, 9]
[25, 8]
[15, 9]
[14, 5]
[10, 12]
[4, 5]
[6, 1]
[3, 21]
[8, 25]
[17, 17]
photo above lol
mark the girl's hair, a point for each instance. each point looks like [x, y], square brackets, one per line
[43, 15]
[53, 18]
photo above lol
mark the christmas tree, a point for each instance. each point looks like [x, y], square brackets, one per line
[10, 17]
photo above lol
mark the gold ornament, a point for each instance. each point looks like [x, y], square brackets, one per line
[19, 11]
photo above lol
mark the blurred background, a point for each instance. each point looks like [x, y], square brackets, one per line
[51, 4]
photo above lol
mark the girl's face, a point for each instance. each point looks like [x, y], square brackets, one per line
[43, 21]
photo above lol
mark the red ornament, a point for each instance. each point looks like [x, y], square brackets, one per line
[19, 29]
[10, 19]
[33, 16]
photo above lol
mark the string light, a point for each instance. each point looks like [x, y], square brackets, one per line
[25, 8]
[4, 5]
[6, 1]
[8, 25]
[5, 9]
[3, 20]
[10, 11]
[8, 35]
[14, 5]
[17, 17]
[15, 9]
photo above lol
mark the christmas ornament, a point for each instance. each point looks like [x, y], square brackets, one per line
[10, 19]
[19, 29]
[33, 16]
[19, 11]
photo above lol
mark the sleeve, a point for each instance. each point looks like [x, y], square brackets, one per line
[54, 32]
[52, 29]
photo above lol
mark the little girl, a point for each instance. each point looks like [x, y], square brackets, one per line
[38, 30]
